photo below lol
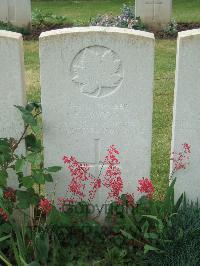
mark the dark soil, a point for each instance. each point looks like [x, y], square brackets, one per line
[38, 29]
[180, 27]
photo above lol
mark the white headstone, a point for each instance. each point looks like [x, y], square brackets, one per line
[12, 88]
[96, 91]
[186, 124]
[20, 13]
[154, 13]
[16, 12]
[4, 10]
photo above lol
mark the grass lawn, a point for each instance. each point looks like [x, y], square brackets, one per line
[83, 10]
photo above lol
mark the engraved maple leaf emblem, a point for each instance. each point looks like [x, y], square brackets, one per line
[98, 71]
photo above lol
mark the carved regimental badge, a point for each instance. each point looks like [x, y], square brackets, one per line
[97, 70]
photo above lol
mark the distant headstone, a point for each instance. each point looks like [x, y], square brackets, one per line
[96, 91]
[4, 10]
[12, 88]
[155, 14]
[16, 12]
[186, 123]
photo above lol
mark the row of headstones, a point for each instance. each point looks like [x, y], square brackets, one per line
[96, 86]
[154, 13]
[16, 12]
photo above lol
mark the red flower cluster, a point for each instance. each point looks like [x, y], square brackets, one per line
[79, 173]
[80, 176]
[4, 215]
[113, 176]
[45, 206]
[146, 187]
[181, 159]
[10, 195]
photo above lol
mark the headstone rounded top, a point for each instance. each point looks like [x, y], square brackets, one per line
[189, 33]
[97, 29]
[10, 34]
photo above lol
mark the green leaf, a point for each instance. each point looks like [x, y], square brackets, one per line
[29, 118]
[29, 107]
[4, 259]
[1, 192]
[19, 165]
[27, 182]
[148, 248]
[178, 203]
[127, 235]
[34, 263]
[54, 169]
[48, 178]
[3, 177]
[30, 141]
[21, 108]
[150, 236]
[26, 198]
[4, 238]
[39, 178]
[34, 158]
[159, 222]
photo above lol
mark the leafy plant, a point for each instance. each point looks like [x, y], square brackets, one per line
[184, 235]
[10, 27]
[171, 29]
[126, 19]
[144, 224]
[41, 18]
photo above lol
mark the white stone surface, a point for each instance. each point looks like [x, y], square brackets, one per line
[16, 12]
[154, 13]
[4, 10]
[12, 86]
[96, 91]
[186, 124]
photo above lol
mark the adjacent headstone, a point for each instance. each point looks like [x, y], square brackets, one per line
[4, 10]
[186, 123]
[96, 91]
[155, 14]
[12, 88]
[16, 12]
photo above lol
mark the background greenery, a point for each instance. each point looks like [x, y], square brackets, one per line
[183, 10]
[165, 53]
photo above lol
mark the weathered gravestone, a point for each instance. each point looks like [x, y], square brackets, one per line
[186, 124]
[16, 12]
[96, 91]
[12, 87]
[154, 13]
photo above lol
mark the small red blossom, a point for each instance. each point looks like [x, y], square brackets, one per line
[4, 215]
[82, 179]
[95, 184]
[146, 187]
[79, 173]
[113, 176]
[45, 206]
[10, 195]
